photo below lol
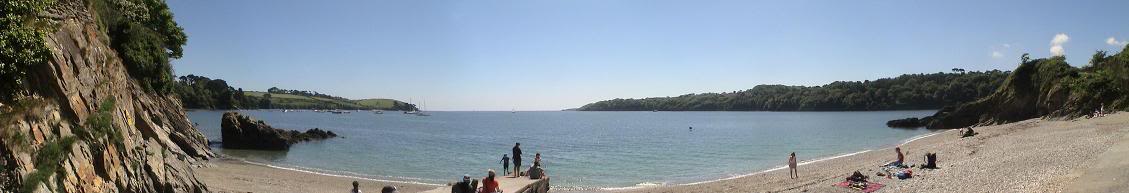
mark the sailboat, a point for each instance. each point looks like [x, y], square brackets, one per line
[420, 111]
[411, 111]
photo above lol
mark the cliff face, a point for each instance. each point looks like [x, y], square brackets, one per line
[1048, 88]
[157, 147]
[1032, 90]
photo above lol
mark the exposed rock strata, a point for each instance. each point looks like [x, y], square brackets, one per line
[158, 145]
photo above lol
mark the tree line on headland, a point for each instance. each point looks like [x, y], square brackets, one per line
[905, 92]
[1037, 88]
[199, 92]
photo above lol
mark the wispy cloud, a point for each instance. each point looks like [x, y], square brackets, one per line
[997, 54]
[1056, 44]
[1113, 42]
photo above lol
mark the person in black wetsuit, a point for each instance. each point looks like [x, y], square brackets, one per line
[517, 160]
[505, 164]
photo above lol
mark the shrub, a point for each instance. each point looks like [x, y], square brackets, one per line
[146, 38]
[47, 162]
[21, 44]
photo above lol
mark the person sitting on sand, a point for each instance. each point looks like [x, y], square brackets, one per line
[901, 158]
[389, 189]
[489, 184]
[536, 172]
[792, 167]
[968, 132]
[537, 159]
[356, 187]
[463, 186]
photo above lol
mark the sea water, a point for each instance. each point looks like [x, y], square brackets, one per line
[580, 150]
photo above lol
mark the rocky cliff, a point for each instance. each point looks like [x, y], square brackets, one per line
[87, 126]
[1047, 88]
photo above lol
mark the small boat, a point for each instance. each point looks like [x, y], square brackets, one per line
[378, 112]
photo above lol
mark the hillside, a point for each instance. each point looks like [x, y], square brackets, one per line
[1048, 88]
[86, 105]
[292, 101]
[199, 92]
[905, 92]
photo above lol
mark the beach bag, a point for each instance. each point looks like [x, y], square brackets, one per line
[930, 161]
[857, 177]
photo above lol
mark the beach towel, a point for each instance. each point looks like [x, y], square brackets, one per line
[870, 186]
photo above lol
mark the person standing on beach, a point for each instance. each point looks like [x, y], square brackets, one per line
[505, 164]
[792, 167]
[517, 160]
[356, 187]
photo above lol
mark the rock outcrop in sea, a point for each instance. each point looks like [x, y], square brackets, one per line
[243, 132]
[912, 122]
[87, 126]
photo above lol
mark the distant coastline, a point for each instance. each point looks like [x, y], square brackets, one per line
[905, 92]
[199, 92]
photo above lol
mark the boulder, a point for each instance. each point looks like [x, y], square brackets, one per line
[243, 132]
[912, 122]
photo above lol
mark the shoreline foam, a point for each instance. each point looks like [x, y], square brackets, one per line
[309, 171]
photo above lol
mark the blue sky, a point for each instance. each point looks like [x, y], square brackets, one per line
[551, 55]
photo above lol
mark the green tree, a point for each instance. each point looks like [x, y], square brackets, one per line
[22, 44]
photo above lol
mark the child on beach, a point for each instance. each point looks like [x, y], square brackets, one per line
[356, 187]
[505, 164]
[537, 159]
[792, 172]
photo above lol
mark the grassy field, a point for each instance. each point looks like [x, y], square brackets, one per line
[289, 101]
[378, 103]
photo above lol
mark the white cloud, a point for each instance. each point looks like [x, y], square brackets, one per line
[1113, 42]
[997, 54]
[1007, 45]
[1056, 44]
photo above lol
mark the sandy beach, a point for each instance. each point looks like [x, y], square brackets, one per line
[1028, 156]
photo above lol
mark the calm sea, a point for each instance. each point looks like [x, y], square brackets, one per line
[580, 150]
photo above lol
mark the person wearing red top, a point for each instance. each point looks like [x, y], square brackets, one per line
[489, 185]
